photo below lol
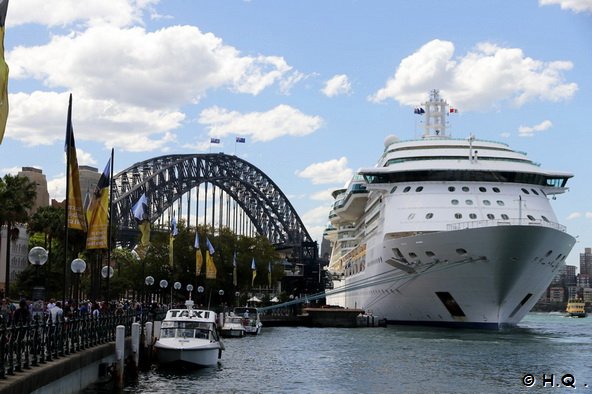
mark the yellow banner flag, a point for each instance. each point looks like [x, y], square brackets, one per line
[210, 267]
[98, 217]
[76, 218]
[3, 72]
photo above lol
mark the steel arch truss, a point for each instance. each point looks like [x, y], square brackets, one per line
[166, 179]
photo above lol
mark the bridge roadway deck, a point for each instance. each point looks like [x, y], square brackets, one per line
[63, 375]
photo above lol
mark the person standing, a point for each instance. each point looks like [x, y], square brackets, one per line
[56, 313]
[22, 315]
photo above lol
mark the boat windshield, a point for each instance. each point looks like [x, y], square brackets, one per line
[186, 330]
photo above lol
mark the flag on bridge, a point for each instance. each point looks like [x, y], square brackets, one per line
[214, 140]
[240, 140]
[234, 279]
[210, 266]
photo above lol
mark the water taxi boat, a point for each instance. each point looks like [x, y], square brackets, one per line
[233, 327]
[251, 321]
[189, 336]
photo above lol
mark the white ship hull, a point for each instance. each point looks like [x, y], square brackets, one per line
[487, 276]
[198, 352]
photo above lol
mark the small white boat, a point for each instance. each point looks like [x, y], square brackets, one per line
[250, 317]
[233, 327]
[189, 336]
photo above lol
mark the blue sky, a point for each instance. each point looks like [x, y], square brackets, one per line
[313, 86]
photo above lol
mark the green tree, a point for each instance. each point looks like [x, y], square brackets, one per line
[17, 196]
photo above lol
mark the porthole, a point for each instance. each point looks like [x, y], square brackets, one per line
[500, 203]
[482, 189]
[469, 202]
[486, 203]
[490, 216]
[412, 255]
[473, 215]
[505, 217]
[495, 190]
[393, 189]
[458, 215]
[451, 188]
[525, 191]
[429, 253]
[418, 189]
[429, 215]
[548, 253]
[534, 192]
[406, 190]
[461, 251]
[465, 189]
[545, 218]
[530, 217]
[454, 202]
[411, 216]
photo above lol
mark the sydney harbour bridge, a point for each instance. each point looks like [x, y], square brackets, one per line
[240, 197]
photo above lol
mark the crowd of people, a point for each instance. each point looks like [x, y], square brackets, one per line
[54, 310]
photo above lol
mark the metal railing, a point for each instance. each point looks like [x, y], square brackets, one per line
[30, 344]
[508, 222]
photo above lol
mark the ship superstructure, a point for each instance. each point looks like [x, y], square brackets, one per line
[446, 231]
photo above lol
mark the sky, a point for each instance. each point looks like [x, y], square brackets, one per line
[313, 86]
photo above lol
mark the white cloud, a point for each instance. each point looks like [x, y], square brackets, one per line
[57, 187]
[528, 131]
[574, 215]
[572, 5]
[260, 126]
[588, 215]
[332, 171]
[39, 118]
[315, 221]
[67, 12]
[337, 85]
[481, 79]
[324, 195]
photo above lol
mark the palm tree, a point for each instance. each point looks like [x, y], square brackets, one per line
[17, 196]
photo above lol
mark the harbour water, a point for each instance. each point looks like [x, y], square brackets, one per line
[545, 352]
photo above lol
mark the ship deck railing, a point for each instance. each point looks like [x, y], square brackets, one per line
[507, 222]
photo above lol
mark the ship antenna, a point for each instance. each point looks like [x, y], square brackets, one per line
[434, 111]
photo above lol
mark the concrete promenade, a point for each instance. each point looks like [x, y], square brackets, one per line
[67, 374]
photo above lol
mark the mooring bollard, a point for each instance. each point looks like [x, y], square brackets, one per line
[136, 342]
[148, 335]
[119, 354]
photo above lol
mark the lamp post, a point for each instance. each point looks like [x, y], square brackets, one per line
[163, 285]
[38, 256]
[237, 295]
[189, 289]
[177, 286]
[221, 294]
[200, 290]
[78, 266]
[149, 281]
[107, 272]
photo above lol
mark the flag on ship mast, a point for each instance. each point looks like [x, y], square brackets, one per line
[74, 210]
[3, 72]
[98, 212]
[254, 271]
[174, 232]
[198, 255]
[210, 266]
[140, 212]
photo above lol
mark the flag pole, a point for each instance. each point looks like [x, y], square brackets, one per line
[66, 225]
[109, 227]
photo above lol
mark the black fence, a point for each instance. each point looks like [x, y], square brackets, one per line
[28, 345]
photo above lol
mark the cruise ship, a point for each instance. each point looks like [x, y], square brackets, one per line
[446, 231]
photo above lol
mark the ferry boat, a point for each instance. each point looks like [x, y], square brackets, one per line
[576, 308]
[446, 231]
[189, 336]
[251, 319]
